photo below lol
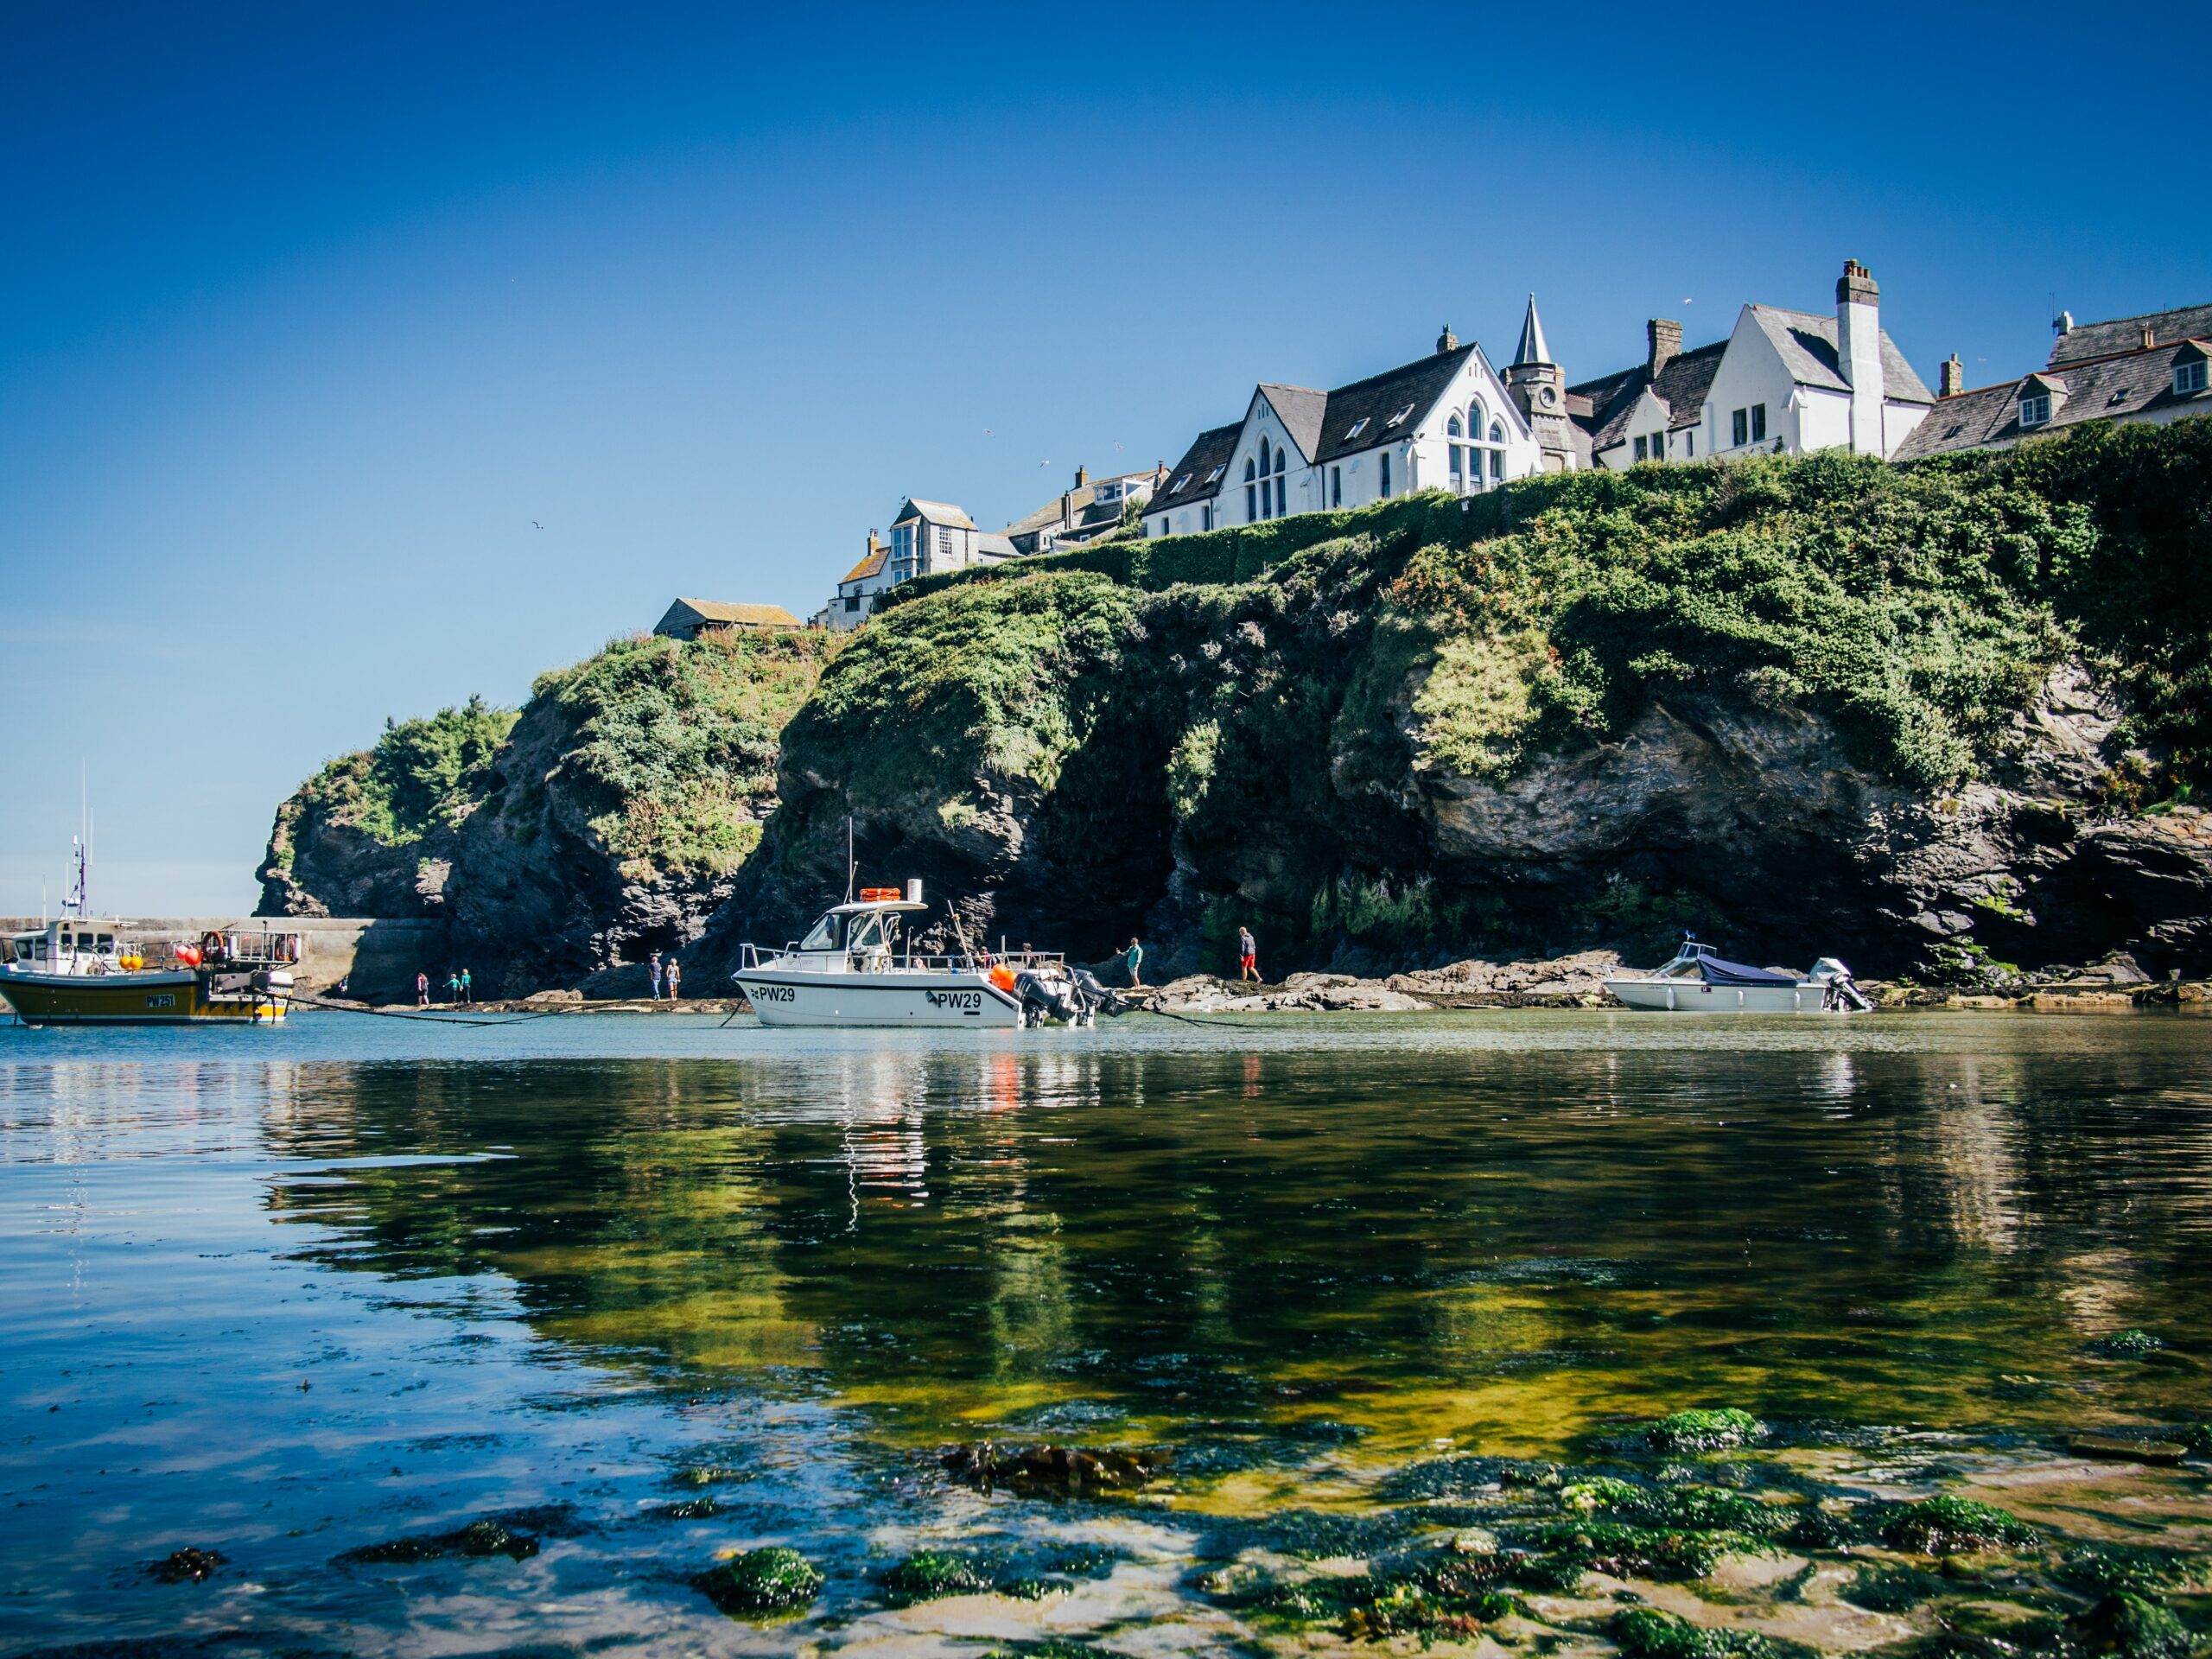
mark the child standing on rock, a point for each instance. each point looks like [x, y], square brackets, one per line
[675, 978]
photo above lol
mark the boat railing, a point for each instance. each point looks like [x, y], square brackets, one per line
[878, 960]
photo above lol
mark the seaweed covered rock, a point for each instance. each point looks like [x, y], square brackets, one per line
[1703, 1429]
[190, 1564]
[934, 1575]
[1646, 1633]
[2130, 1626]
[1950, 1525]
[775, 1579]
[1054, 1468]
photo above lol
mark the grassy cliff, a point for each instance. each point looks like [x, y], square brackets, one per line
[1436, 724]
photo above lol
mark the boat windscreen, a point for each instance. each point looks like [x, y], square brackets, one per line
[1714, 971]
[828, 934]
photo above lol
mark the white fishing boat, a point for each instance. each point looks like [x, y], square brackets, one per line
[857, 966]
[1697, 981]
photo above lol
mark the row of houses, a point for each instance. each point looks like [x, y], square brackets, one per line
[1782, 382]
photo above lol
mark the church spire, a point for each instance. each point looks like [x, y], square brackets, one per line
[1532, 350]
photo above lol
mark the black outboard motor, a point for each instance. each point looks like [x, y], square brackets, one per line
[1102, 1000]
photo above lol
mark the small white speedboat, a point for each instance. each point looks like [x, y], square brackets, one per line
[1698, 982]
[857, 966]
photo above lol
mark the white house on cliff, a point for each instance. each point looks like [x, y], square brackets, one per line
[1784, 382]
[1448, 421]
[926, 537]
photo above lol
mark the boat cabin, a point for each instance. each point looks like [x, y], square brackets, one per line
[857, 938]
[69, 945]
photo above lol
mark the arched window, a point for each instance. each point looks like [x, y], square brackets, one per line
[1498, 452]
[1251, 496]
[1282, 484]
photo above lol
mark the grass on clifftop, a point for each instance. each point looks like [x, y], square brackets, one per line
[676, 742]
[422, 774]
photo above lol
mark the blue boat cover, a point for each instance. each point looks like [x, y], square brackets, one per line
[1714, 971]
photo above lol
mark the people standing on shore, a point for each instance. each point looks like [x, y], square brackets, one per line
[653, 963]
[1248, 956]
[453, 985]
[1136, 953]
[464, 985]
[675, 978]
[422, 990]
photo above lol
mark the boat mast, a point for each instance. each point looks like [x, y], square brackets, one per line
[848, 858]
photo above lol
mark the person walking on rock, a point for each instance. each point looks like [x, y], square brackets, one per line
[1136, 953]
[675, 978]
[653, 963]
[422, 990]
[1247, 956]
[465, 995]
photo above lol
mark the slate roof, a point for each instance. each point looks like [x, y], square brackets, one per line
[1301, 410]
[935, 512]
[1379, 396]
[2088, 340]
[1208, 450]
[2132, 386]
[1607, 404]
[1807, 346]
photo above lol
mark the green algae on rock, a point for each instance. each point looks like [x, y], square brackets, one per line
[2127, 1344]
[934, 1575]
[772, 1579]
[1952, 1526]
[2129, 1626]
[1647, 1633]
[479, 1539]
[1714, 1429]
[1565, 1551]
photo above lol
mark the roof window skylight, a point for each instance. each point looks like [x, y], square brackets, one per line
[1358, 427]
[1180, 483]
[1214, 477]
[1399, 415]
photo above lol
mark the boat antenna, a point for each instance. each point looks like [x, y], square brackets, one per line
[848, 858]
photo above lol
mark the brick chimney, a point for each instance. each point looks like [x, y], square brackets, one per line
[1081, 475]
[1447, 341]
[1665, 341]
[1858, 354]
[1954, 377]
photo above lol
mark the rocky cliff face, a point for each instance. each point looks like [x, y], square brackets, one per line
[1811, 708]
[610, 819]
[1937, 720]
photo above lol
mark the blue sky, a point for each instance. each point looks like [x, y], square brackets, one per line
[308, 313]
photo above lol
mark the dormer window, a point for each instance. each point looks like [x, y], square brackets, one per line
[2034, 409]
[2188, 377]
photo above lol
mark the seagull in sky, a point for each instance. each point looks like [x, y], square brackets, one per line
[534, 524]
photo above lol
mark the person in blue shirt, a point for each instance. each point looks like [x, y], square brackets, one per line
[1136, 953]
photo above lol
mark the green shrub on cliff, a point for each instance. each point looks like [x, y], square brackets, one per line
[676, 742]
[988, 677]
[421, 774]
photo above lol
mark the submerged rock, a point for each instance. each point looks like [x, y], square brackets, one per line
[1646, 1633]
[188, 1565]
[2127, 1344]
[2108, 1446]
[775, 1579]
[479, 1539]
[1055, 1468]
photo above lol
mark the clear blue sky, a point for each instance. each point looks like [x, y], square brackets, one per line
[306, 313]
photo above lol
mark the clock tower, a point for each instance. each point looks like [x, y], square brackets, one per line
[1538, 387]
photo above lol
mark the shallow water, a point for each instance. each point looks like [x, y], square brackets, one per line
[285, 1294]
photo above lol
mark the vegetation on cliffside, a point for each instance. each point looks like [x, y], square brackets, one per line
[1281, 711]
[420, 775]
[675, 742]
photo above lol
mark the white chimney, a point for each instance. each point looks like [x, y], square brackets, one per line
[1858, 353]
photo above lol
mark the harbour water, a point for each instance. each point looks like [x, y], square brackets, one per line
[649, 1291]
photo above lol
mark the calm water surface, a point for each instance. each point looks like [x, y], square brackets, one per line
[286, 1293]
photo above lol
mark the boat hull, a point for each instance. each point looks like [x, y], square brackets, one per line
[145, 999]
[783, 997]
[1693, 996]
